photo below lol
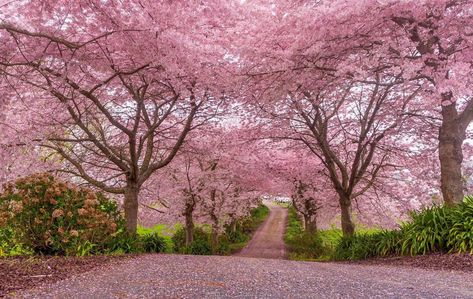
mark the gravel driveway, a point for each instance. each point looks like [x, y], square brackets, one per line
[182, 276]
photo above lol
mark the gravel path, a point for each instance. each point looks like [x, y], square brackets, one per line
[181, 276]
[268, 240]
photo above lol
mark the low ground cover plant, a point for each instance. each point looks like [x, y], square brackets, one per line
[438, 229]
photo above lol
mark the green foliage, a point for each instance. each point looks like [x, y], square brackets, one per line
[358, 246]
[234, 237]
[257, 216]
[164, 231]
[9, 246]
[125, 243]
[48, 216]
[460, 235]
[308, 246]
[435, 229]
[200, 245]
[427, 231]
[388, 242]
[153, 242]
[300, 245]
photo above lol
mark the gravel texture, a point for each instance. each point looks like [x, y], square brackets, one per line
[436, 261]
[184, 276]
[268, 242]
[181, 276]
[19, 273]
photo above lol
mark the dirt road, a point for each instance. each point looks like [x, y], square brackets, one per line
[268, 240]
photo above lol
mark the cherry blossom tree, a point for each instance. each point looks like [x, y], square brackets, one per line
[212, 180]
[119, 95]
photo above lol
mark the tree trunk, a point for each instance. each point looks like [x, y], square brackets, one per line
[348, 228]
[233, 226]
[189, 227]
[214, 238]
[303, 221]
[310, 223]
[451, 139]
[132, 191]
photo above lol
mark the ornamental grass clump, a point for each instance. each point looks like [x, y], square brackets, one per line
[53, 217]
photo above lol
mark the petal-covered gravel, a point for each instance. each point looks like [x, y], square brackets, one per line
[19, 273]
[434, 261]
[181, 276]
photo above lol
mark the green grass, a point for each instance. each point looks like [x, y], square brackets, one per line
[319, 246]
[434, 229]
[162, 230]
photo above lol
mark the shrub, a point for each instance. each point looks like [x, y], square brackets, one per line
[236, 236]
[53, 217]
[200, 245]
[9, 246]
[388, 242]
[460, 234]
[427, 231]
[257, 216]
[358, 246]
[153, 242]
[124, 243]
[303, 245]
[435, 229]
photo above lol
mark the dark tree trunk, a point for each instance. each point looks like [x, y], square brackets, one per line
[310, 223]
[348, 228]
[214, 238]
[132, 191]
[451, 137]
[233, 227]
[215, 222]
[189, 227]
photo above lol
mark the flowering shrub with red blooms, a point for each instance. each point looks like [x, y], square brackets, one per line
[53, 217]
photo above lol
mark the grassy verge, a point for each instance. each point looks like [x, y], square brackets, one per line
[308, 246]
[433, 230]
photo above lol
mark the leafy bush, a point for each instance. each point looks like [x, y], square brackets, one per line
[164, 231]
[427, 231]
[358, 246]
[9, 246]
[236, 236]
[52, 217]
[435, 229]
[153, 242]
[460, 235]
[124, 243]
[309, 246]
[257, 216]
[388, 242]
[200, 245]
[299, 244]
